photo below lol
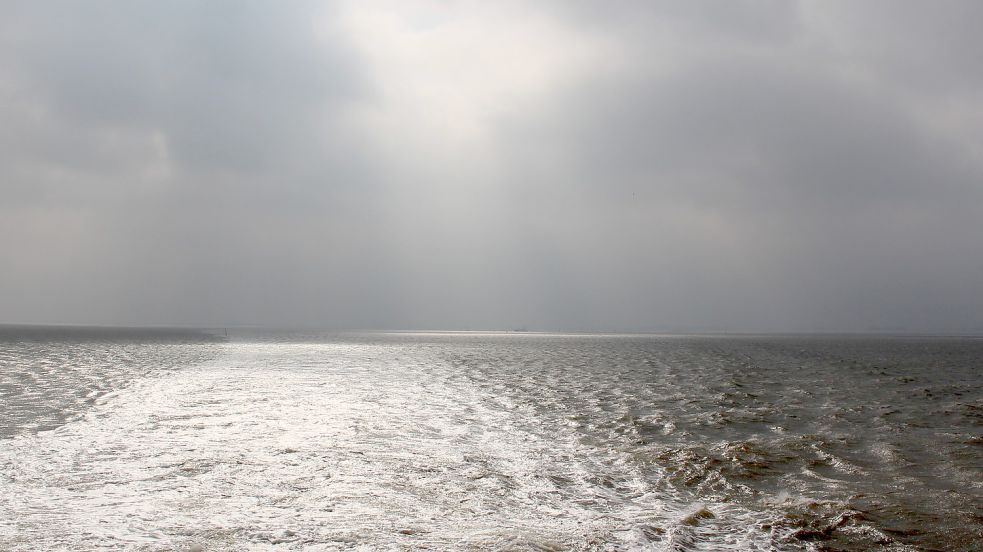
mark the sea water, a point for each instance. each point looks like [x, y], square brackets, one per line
[185, 440]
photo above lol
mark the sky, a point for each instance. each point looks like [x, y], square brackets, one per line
[736, 166]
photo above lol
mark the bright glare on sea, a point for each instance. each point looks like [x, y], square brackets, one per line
[177, 440]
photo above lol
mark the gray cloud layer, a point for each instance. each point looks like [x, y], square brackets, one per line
[572, 165]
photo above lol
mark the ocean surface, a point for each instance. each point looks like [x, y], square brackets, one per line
[185, 440]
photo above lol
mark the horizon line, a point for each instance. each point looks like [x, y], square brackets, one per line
[503, 331]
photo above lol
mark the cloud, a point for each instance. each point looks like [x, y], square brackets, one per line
[644, 166]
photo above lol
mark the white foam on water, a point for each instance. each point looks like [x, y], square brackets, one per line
[337, 446]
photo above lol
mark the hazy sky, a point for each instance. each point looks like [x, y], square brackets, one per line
[731, 165]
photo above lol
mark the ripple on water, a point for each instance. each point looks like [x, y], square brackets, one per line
[498, 442]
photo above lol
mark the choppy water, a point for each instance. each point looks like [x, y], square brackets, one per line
[164, 441]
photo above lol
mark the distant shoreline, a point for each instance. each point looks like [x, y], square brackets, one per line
[181, 329]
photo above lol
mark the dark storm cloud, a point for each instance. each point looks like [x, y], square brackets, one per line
[646, 166]
[814, 198]
[175, 145]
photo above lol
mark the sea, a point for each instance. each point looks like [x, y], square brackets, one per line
[191, 440]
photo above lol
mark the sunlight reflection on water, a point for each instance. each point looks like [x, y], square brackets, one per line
[489, 442]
